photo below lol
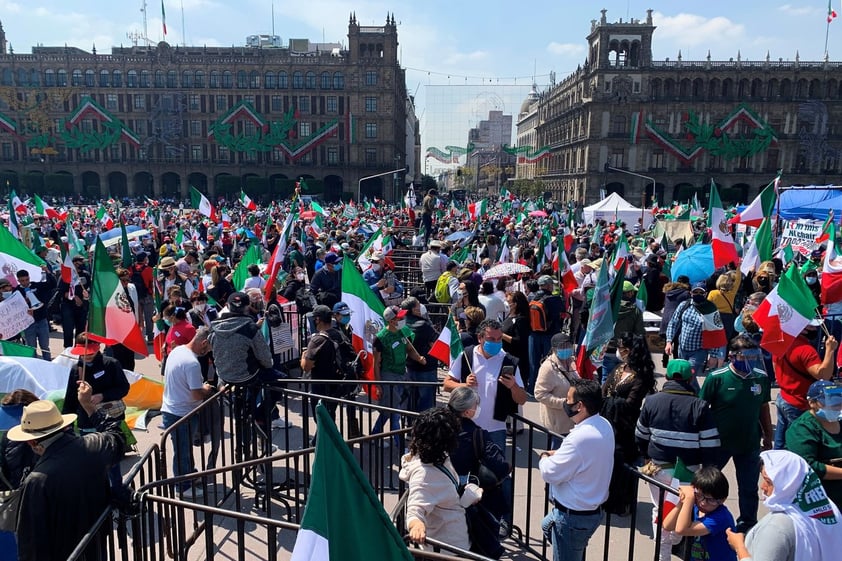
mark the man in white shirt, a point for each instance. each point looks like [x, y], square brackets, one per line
[495, 308]
[578, 473]
[432, 263]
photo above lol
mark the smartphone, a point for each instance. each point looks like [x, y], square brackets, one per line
[835, 462]
[508, 371]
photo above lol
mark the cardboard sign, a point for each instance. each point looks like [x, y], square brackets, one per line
[801, 234]
[14, 315]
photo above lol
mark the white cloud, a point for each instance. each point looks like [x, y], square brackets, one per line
[456, 58]
[792, 10]
[566, 49]
[694, 30]
[8, 7]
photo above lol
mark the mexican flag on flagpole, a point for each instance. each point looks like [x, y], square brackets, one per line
[75, 248]
[104, 218]
[642, 297]
[785, 312]
[367, 308]
[568, 279]
[759, 249]
[318, 208]
[724, 250]
[14, 227]
[378, 243]
[823, 236]
[478, 209]
[44, 209]
[14, 256]
[568, 231]
[241, 274]
[832, 270]
[621, 254]
[202, 204]
[110, 317]
[545, 248]
[505, 253]
[8, 348]
[16, 203]
[600, 328]
[761, 207]
[327, 533]
[277, 259]
[246, 201]
[448, 347]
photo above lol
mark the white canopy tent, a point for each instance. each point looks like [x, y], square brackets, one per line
[614, 207]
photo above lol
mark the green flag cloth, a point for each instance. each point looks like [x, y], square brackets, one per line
[241, 274]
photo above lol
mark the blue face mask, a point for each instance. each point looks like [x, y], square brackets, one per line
[345, 320]
[491, 348]
[743, 366]
[564, 354]
[168, 322]
[337, 267]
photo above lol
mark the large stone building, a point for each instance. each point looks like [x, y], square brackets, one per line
[154, 120]
[682, 123]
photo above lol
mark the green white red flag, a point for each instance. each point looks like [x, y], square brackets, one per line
[247, 202]
[44, 209]
[831, 278]
[367, 313]
[75, 248]
[277, 260]
[478, 209]
[202, 204]
[110, 317]
[761, 207]
[448, 347]
[318, 208]
[568, 279]
[16, 203]
[14, 257]
[14, 227]
[823, 236]
[8, 348]
[724, 250]
[104, 218]
[759, 249]
[785, 312]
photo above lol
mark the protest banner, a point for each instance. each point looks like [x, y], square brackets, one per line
[801, 234]
[14, 315]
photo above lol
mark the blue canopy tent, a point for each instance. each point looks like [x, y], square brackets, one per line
[810, 202]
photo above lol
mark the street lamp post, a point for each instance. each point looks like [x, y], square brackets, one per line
[360, 182]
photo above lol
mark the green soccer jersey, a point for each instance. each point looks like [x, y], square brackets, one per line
[735, 404]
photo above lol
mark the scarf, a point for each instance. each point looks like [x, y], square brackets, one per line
[798, 493]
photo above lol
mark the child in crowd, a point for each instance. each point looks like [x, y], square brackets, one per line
[701, 513]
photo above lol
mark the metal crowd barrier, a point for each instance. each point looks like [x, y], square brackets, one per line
[254, 482]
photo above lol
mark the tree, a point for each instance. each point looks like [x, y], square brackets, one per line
[428, 182]
[528, 188]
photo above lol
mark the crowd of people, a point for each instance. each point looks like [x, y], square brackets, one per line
[521, 285]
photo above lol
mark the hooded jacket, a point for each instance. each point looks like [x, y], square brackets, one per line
[239, 349]
[674, 294]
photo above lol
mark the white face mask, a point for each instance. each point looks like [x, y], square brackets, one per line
[299, 276]
[476, 413]
[375, 267]
[200, 307]
[402, 324]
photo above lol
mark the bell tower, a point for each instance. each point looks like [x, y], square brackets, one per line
[622, 44]
[2, 40]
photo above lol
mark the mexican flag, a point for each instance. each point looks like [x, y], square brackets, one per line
[832, 270]
[367, 316]
[7, 348]
[44, 209]
[478, 209]
[75, 247]
[316, 226]
[568, 231]
[600, 328]
[642, 297]
[823, 236]
[14, 256]
[448, 347]
[104, 218]
[378, 243]
[241, 274]
[318, 208]
[785, 312]
[110, 318]
[621, 254]
[505, 253]
[759, 249]
[202, 204]
[159, 330]
[327, 533]
[724, 250]
[568, 279]
[126, 256]
[277, 260]
[14, 228]
[247, 202]
[545, 248]
[713, 334]
[16, 204]
[761, 207]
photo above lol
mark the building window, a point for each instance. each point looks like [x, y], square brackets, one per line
[254, 79]
[186, 79]
[306, 158]
[104, 78]
[371, 130]
[310, 81]
[89, 78]
[371, 78]
[131, 79]
[250, 156]
[214, 79]
[277, 104]
[221, 103]
[332, 155]
[371, 156]
[242, 81]
[115, 153]
[75, 78]
[332, 104]
[283, 81]
[117, 79]
[371, 104]
[304, 104]
[658, 159]
[297, 80]
[144, 78]
[87, 125]
[249, 128]
[200, 79]
[172, 77]
[270, 81]
[159, 79]
[196, 152]
[277, 154]
[223, 153]
[194, 102]
[49, 78]
[617, 158]
[227, 79]
[139, 101]
[303, 130]
[325, 80]
[338, 81]
[7, 151]
[61, 78]
[195, 128]
[111, 102]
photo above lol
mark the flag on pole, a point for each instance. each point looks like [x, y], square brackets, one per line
[831, 270]
[759, 249]
[14, 256]
[246, 201]
[642, 297]
[831, 13]
[16, 204]
[478, 209]
[241, 274]
[505, 253]
[110, 317]
[785, 312]
[163, 18]
[75, 248]
[277, 260]
[159, 330]
[600, 328]
[761, 207]
[201, 203]
[44, 209]
[327, 533]
[126, 256]
[568, 279]
[545, 248]
[8, 348]
[367, 316]
[14, 227]
[823, 236]
[318, 208]
[448, 347]
[104, 218]
[724, 250]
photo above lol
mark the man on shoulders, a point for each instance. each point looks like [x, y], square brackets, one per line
[578, 473]
[433, 264]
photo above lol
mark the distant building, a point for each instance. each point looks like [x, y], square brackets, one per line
[682, 122]
[487, 158]
[155, 120]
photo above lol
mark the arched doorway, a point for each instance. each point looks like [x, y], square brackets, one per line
[659, 191]
[199, 181]
[171, 186]
[118, 185]
[371, 188]
[280, 187]
[8, 181]
[615, 187]
[682, 193]
[58, 184]
[226, 184]
[143, 185]
[333, 188]
[90, 185]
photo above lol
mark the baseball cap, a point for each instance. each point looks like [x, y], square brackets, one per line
[560, 339]
[238, 302]
[679, 369]
[817, 389]
[323, 313]
[342, 308]
[701, 285]
[331, 258]
[393, 312]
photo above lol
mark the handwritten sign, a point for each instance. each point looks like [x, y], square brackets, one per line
[14, 315]
[801, 234]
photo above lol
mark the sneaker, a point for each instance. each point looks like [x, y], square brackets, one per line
[279, 423]
[505, 528]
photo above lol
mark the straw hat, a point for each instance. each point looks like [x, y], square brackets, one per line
[40, 419]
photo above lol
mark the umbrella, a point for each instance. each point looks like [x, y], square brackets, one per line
[307, 215]
[504, 270]
[457, 236]
[113, 239]
[538, 214]
[696, 262]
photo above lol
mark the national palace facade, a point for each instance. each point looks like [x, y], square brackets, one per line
[681, 123]
[154, 120]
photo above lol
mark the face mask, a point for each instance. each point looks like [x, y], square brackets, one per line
[699, 298]
[168, 322]
[564, 354]
[811, 280]
[491, 348]
[476, 413]
[763, 281]
[743, 366]
[569, 409]
[830, 415]
[337, 267]
[402, 324]
[345, 320]
[375, 267]
[299, 276]
[200, 307]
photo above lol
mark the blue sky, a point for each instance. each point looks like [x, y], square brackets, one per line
[461, 42]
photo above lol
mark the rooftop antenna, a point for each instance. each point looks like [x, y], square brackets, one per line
[134, 36]
[183, 28]
[273, 18]
[145, 30]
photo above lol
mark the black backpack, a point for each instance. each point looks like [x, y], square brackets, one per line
[137, 280]
[304, 300]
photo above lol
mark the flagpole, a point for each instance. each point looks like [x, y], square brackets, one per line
[826, 35]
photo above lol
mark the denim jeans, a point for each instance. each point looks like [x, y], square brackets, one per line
[609, 363]
[182, 463]
[539, 348]
[421, 398]
[38, 334]
[747, 467]
[787, 413]
[392, 395]
[698, 361]
[569, 533]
